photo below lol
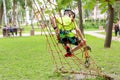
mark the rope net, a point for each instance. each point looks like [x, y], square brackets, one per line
[77, 64]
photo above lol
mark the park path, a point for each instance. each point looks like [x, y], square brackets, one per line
[95, 33]
[99, 35]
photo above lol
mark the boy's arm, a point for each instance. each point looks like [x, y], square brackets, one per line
[79, 33]
[54, 25]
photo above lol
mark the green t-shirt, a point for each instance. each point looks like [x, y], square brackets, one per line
[65, 23]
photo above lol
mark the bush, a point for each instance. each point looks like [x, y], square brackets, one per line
[88, 25]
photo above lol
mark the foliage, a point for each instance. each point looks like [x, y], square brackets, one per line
[8, 5]
[22, 3]
[116, 11]
[87, 13]
[104, 5]
[89, 4]
[30, 3]
[89, 24]
[0, 2]
[63, 3]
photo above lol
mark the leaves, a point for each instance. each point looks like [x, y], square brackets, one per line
[104, 10]
[0, 2]
[89, 4]
[103, 6]
[63, 3]
[39, 2]
[108, 1]
[112, 2]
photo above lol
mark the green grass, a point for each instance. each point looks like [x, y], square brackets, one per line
[107, 58]
[91, 29]
[36, 29]
[26, 58]
[113, 33]
[26, 29]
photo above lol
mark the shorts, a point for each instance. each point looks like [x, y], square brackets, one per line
[71, 40]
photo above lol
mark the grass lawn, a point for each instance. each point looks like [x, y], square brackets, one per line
[26, 58]
[113, 33]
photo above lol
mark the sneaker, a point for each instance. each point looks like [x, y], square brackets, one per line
[87, 63]
[87, 48]
[68, 55]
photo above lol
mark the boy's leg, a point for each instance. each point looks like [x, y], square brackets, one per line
[80, 45]
[68, 52]
[67, 48]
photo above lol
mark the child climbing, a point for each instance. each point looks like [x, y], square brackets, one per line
[64, 27]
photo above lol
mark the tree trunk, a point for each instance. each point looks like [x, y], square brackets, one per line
[108, 38]
[26, 13]
[95, 13]
[32, 17]
[1, 13]
[5, 15]
[14, 12]
[80, 16]
[32, 30]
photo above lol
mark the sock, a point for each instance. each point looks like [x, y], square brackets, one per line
[67, 49]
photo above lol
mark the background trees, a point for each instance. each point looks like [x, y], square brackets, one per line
[106, 6]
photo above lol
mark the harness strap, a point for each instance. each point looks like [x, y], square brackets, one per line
[65, 31]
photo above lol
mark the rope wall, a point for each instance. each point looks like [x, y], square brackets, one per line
[75, 64]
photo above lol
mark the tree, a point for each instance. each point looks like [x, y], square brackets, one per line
[14, 12]
[20, 11]
[105, 5]
[5, 15]
[108, 38]
[15, 8]
[32, 16]
[26, 12]
[1, 12]
[80, 16]
[30, 5]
